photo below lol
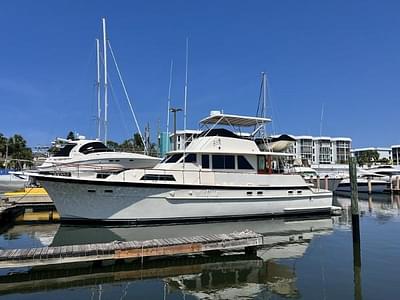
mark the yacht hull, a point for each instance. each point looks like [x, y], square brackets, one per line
[97, 201]
[377, 186]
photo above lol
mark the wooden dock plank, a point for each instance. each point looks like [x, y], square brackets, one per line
[123, 250]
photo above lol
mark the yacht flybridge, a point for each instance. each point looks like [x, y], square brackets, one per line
[219, 175]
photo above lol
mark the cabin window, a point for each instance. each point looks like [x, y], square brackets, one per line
[158, 177]
[93, 148]
[223, 162]
[218, 161]
[191, 158]
[243, 163]
[173, 158]
[65, 151]
[205, 161]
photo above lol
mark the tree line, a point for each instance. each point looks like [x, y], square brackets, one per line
[13, 150]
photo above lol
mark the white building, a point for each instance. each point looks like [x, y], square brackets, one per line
[384, 153]
[180, 137]
[321, 150]
[396, 154]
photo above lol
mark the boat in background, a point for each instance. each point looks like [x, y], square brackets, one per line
[12, 181]
[372, 180]
[92, 158]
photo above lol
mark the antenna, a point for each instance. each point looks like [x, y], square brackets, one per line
[320, 123]
[185, 108]
[105, 82]
[98, 90]
[264, 75]
[169, 95]
[186, 90]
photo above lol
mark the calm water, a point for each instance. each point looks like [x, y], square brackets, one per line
[305, 259]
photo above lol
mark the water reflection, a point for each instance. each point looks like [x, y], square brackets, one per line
[208, 276]
[275, 230]
[384, 207]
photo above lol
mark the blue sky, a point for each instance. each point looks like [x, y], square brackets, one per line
[340, 55]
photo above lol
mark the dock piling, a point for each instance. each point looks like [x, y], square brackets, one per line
[369, 185]
[355, 219]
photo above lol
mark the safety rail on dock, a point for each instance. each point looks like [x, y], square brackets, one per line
[129, 250]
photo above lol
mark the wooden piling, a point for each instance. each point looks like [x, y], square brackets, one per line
[326, 182]
[355, 218]
[369, 185]
[318, 182]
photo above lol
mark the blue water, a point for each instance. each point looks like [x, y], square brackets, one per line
[320, 267]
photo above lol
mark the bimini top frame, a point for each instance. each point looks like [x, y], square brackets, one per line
[217, 118]
[234, 120]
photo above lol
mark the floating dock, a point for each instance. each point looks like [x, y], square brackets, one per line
[15, 204]
[14, 258]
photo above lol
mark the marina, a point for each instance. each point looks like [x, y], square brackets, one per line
[199, 150]
[279, 268]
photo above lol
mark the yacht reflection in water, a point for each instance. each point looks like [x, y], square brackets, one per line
[383, 207]
[211, 275]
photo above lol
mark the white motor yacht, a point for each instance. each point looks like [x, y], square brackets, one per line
[219, 175]
[377, 177]
[92, 158]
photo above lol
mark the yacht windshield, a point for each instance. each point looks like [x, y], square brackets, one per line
[64, 151]
[174, 158]
[94, 147]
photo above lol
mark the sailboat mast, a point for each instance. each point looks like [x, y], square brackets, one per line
[98, 90]
[186, 92]
[264, 75]
[169, 95]
[105, 82]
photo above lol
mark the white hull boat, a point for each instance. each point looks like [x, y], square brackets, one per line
[91, 158]
[377, 186]
[99, 200]
[219, 175]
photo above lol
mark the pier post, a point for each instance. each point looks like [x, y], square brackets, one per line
[369, 185]
[318, 182]
[326, 182]
[355, 221]
[391, 184]
[398, 183]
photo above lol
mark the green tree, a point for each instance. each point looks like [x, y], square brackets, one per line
[367, 157]
[3, 145]
[134, 144]
[385, 161]
[112, 145]
[137, 142]
[17, 150]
